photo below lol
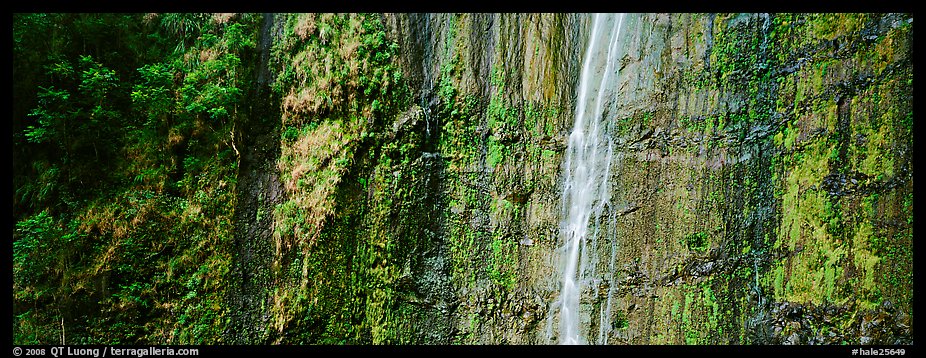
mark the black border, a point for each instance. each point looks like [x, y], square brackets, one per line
[632, 350]
[471, 6]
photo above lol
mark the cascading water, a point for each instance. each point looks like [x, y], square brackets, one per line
[587, 166]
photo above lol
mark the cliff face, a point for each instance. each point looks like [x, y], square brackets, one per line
[764, 192]
[761, 189]
[405, 178]
[420, 176]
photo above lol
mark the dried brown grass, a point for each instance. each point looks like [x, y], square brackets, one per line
[305, 26]
[223, 17]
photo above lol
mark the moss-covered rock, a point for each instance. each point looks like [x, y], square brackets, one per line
[397, 179]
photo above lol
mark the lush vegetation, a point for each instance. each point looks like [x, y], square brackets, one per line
[128, 143]
[361, 178]
[124, 170]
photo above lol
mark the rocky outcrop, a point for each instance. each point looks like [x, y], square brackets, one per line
[761, 189]
[762, 162]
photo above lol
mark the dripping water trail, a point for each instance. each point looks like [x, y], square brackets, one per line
[259, 190]
[587, 167]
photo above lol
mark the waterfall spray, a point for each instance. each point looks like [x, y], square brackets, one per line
[587, 166]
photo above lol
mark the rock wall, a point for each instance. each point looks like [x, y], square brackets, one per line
[761, 191]
[769, 205]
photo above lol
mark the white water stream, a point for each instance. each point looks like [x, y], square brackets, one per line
[587, 167]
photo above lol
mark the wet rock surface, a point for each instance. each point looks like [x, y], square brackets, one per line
[259, 191]
[709, 158]
[760, 182]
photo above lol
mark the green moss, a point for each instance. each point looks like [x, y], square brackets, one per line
[501, 266]
[714, 312]
[496, 153]
[358, 219]
[620, 321]
[830, 26]
[691, 335]
[697, 241]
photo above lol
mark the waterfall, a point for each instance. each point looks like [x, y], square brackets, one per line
[587, 166]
